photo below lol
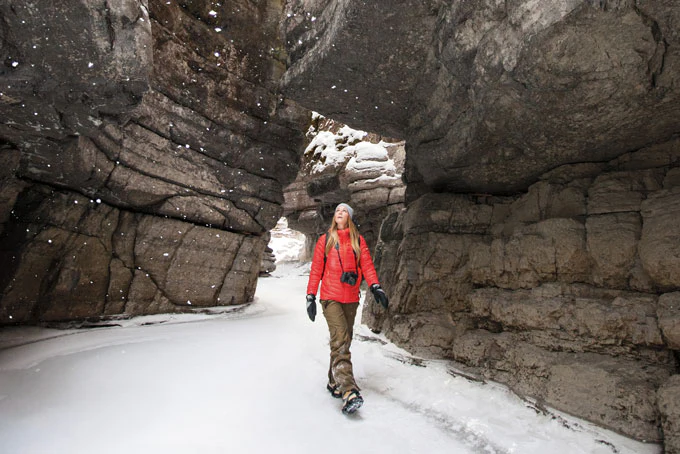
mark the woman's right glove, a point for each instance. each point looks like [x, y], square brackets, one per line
[311, 306]
[379, 295]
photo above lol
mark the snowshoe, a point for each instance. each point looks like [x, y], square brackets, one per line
[352, 401]
[334, 390]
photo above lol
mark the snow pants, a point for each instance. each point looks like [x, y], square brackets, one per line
[340, 318]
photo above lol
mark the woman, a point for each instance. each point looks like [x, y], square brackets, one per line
[341, 259]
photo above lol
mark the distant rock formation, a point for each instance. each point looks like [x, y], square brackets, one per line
[268, 260]
[342, 164]
[288, 245]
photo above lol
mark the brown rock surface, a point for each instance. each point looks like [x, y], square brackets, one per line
[83, 260]
[164, 123]
[555, 294]
[669, 403]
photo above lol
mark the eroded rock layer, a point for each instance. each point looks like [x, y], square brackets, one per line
[80, 259]
[568, 293]
[145, 151]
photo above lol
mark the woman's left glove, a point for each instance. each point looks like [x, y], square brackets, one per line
[311, 306]
[379, 295]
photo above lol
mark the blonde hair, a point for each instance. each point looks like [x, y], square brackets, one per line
[332, 237]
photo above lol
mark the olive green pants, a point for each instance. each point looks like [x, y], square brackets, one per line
[340, 318]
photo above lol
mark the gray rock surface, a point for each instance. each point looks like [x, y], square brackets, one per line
[669, 403]
[490, 95]
[567, 293]
[157, 129]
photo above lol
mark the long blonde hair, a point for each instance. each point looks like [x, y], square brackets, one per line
[333, 239]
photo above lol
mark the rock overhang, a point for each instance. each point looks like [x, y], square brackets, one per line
[489, 97]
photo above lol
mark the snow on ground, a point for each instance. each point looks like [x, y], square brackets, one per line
[252, 380]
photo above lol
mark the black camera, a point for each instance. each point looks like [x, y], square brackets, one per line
[349, 277]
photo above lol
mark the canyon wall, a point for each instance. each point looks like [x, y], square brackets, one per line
[145, 150]
[567, 293]
[538, 246]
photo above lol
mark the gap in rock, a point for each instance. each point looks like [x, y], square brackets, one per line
[343, 164]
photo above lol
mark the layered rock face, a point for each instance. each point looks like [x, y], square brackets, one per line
[341, 164]
[539, 244]
[567, 293]
[145, 151]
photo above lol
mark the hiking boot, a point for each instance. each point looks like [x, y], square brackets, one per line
[334, 390]
[352, 401]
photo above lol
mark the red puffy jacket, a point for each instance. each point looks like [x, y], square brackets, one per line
[331, 287]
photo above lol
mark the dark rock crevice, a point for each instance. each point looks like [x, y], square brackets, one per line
[655, 66]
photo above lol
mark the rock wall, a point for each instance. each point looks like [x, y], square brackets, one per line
[145, 151]
[539, 238]
[82, 259]
[569, 293]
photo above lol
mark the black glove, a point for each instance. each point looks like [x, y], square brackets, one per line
[379, 295]
[311, 306]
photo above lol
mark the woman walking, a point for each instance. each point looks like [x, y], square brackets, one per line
[341, 259]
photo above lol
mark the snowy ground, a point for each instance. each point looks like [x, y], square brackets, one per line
[253, 380]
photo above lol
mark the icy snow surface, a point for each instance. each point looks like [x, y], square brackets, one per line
[287, 244]
[252, 380]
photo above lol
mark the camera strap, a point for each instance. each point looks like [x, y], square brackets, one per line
[337, 249]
